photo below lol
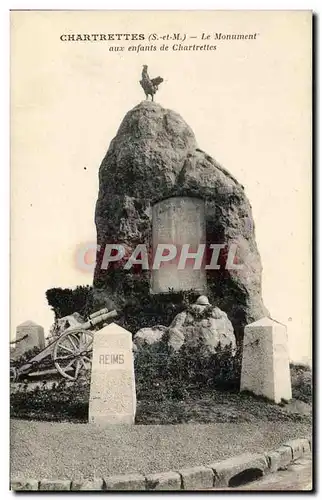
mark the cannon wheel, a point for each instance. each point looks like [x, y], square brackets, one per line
[13, 374]
[73, 353]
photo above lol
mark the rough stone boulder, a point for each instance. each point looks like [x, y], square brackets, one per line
[155, 156]
[149, 336]
[201, 327]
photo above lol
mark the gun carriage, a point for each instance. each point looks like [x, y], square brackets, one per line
[70, 353]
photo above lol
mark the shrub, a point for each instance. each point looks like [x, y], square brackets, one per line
[143, 309]
[162, 374]
[301, 379]
[23, 358]
[56, 402]
[137, 307]
[28, 355]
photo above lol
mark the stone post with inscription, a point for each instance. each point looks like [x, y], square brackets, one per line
[112, 391]
[265, 362]
[29, 335]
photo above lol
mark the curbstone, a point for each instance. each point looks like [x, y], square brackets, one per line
[24, 485]
[197, 478]
[275, 461]
[125, 482]
[310, 442]
[95, 484]
[285, 455]
[218, 475]
[54, 485]
[224, 471]
[306, 446]
[297, 446]
[163, 481]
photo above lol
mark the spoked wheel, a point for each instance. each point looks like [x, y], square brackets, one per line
[73, 353]
[13, 374]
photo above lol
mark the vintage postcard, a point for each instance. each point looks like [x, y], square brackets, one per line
[161, 171]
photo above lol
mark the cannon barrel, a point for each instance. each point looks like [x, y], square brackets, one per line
[99, 313]
[98, 319]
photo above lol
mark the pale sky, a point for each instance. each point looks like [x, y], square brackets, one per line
[248, 103]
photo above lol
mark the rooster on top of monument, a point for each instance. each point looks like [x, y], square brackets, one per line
[150, 86]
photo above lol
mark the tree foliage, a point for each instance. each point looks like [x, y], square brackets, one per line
[65, 301]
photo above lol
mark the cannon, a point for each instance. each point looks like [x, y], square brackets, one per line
[71, 353]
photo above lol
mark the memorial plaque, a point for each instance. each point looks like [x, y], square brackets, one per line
[265, 362]
[178, 221]
[112, 392]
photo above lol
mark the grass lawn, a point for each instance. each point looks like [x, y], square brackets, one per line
[213, 406]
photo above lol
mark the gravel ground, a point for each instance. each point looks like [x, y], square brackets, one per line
[76, 451]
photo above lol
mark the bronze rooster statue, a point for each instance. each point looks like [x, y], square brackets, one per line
[150, 86]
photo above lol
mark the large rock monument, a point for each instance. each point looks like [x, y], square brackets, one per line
[155, 159]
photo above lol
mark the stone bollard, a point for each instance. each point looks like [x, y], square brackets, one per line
[265, 362]
[112, 392]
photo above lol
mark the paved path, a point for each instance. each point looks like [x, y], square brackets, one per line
[79, 451]
[297, 477]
